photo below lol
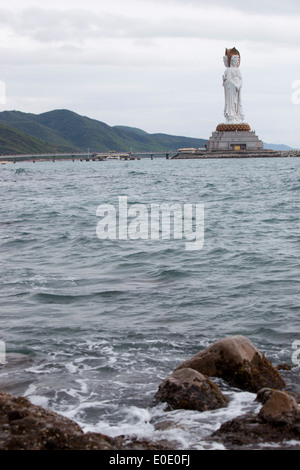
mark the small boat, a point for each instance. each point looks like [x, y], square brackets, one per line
[112, 157]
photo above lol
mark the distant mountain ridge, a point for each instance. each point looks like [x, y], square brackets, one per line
[67, 131]
[63, 131]
[277, 147]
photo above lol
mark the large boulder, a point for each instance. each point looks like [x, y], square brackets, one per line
[278, 407]
[237, 361]
[188, 389]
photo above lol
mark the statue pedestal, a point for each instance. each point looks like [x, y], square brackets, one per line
[234, 137]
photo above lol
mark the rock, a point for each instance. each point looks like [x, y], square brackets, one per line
[188, 389]
[24, 426]
[284, 366]
[278, 406]
[237, 361]
[278, 421]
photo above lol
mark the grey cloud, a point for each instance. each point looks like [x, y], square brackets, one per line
[77, 26]
[268, 7]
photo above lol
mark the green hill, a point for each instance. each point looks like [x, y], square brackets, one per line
[15, 142]
[68, 131]
[32, 124]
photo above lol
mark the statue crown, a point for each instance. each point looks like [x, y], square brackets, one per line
[230, 52]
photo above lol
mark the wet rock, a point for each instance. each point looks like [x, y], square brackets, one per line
[24, 426]
[188, 389]
[237, 361]
[277, 422]
[284, 366]
[278, 406]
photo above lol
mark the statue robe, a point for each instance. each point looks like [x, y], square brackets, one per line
[232, 81]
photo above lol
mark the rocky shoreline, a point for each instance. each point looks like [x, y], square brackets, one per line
[25, 426]
[277, 422]
[203, 154]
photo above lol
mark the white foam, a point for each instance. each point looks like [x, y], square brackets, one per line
[187, 429]
[39, 401]
[280, 445]
[30, 390]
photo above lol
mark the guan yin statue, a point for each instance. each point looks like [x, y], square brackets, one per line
[232, 82]
[233, 134]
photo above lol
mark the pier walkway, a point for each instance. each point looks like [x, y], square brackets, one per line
[103, 156]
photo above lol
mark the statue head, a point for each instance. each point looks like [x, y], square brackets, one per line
[232, 58]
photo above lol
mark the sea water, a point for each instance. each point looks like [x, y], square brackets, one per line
[92, 326]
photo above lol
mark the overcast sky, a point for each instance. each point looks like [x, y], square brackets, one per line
[154, 64]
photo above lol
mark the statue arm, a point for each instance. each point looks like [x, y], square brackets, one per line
[238, 81]
[240, 78]
[225, 76]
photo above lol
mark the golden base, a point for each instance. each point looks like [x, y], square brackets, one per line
[233, 128]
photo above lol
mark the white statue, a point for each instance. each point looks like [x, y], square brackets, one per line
[232, 82]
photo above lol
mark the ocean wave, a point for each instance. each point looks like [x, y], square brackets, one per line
[104, 321]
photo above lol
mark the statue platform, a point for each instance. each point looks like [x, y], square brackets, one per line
[234, 137]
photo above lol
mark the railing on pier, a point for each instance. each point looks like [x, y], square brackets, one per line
[103, 156]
